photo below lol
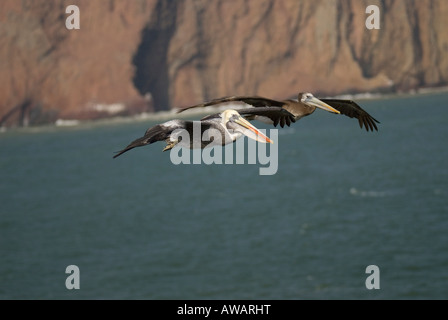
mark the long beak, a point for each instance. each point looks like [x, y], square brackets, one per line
[251, 131]
[320, 104]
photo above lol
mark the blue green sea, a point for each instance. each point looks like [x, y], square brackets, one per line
[140, 227]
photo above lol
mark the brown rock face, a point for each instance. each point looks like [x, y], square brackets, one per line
[278, 48]
[184, 52]
[58, 72]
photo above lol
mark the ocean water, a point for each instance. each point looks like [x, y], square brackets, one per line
[140, 227]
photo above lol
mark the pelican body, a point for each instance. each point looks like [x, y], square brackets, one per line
[217, 129]
[305, 105]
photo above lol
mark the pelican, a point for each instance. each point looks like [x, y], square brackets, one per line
[229, 125]
[305, 105]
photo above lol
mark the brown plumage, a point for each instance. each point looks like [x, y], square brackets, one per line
[304, 106]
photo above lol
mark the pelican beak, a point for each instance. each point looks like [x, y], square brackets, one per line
[320, 104]
[251, 132]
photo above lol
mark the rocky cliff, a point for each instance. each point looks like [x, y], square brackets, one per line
[134, 56]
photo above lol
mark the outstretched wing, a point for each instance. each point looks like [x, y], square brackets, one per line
[274, 115]
[277, 115]
[253, 101]
[159, 132]
[351, 109]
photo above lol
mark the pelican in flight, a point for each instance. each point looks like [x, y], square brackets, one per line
[228, 125]
[305, 105]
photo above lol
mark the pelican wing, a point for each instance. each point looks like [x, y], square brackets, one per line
[159, 132]
[351, 109]
[253, 101]
[277, 115]
[212, 117]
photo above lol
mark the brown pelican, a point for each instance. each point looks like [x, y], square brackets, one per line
[304, 106]
[228, 125]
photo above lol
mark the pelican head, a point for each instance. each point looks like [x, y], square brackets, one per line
[232, 120]
[310, 100]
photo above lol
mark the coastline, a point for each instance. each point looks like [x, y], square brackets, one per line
[172, 114]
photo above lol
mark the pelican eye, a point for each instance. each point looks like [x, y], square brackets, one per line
[234, 117]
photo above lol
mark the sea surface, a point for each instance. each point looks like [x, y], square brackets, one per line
[140, 227]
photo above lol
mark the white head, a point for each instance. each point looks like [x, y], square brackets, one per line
[310, 100]
[305, 96]
[233, 121]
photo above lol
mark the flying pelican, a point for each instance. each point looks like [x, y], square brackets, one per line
[229, 125]
[304, 106]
